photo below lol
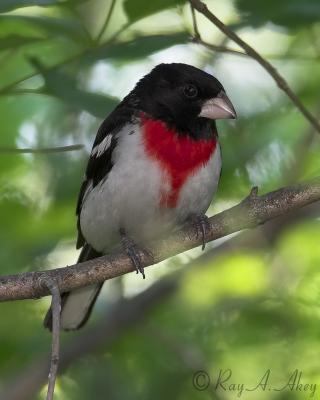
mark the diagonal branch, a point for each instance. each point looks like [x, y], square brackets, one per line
[281, 82]
[252, 211]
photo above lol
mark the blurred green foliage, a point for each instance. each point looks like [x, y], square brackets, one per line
[292, 14]
[63, 69]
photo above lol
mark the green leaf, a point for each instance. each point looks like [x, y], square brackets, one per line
[52, 26]
[10, 5]
[289, 13]
[15, 41]
[65, 88]
[138, 47]
[138, 9]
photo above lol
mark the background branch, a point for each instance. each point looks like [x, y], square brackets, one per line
[58, 149]
[252, 211]
[123, 315]
[54, 360]
[281, 82]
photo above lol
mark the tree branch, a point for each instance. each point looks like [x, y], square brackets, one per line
[56, 309]
[252, 211]
[59, 149]
[281, 82]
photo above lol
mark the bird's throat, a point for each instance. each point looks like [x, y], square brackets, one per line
[179, 156]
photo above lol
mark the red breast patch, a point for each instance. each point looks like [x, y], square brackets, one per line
[179, 156]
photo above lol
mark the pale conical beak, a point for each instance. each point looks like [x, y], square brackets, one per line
[219, 107]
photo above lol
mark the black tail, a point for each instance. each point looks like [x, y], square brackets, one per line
[76, 306]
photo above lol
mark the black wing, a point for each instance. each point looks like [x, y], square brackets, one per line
[100, 161]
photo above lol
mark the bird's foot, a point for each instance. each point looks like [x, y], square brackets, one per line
[134, 252]
[203, 226]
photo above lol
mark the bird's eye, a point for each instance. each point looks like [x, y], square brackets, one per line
[190, 91]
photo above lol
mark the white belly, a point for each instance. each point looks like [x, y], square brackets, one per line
[129, 197]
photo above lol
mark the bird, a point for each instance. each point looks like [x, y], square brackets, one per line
[154, 165]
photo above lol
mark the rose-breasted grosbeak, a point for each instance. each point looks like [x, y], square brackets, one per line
[154, 164]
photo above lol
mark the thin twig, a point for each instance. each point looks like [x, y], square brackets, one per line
[253, 211]
[281, 82]
[106, 22]
[195, 25]
[42, 149]
[225, 49]
[56, 309]
[221, 49]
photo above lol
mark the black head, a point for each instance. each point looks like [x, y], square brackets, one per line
[183, 96]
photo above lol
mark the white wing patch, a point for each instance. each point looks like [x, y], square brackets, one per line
[98, 150]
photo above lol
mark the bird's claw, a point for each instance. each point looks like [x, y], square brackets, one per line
[133, 252]
[203, 226]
